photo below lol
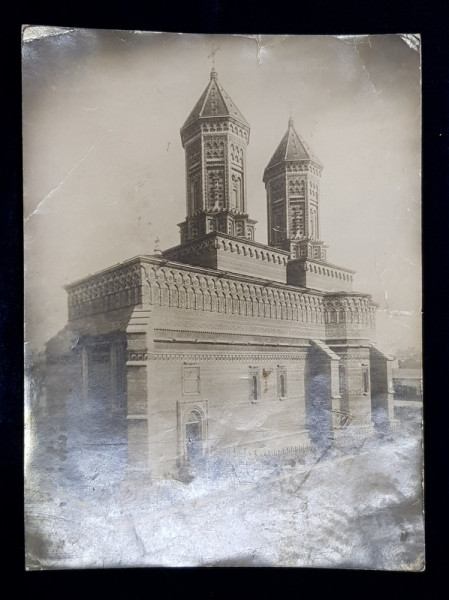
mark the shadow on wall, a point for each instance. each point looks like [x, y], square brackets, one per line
[318, 408]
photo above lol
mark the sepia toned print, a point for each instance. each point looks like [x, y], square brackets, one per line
[222, 272]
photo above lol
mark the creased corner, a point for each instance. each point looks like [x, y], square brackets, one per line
[261, 48]
[413, 40]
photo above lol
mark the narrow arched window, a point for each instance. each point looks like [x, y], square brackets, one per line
[282, 385]
[254, 387]
[365, 378]
[342, 379]
[254, 382]
[282, 382]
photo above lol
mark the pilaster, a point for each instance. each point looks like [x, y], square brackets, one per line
[382, 392]
[139, 339]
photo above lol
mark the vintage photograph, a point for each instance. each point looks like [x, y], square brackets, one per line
[222, 244]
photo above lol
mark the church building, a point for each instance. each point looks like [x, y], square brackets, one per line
[224, 344]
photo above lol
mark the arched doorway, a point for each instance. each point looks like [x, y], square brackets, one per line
[194, 435]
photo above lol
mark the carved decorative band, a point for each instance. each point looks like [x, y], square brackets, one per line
[227, 357]
[165, 286]
[184, 289]
[135, 356]
[116, 289]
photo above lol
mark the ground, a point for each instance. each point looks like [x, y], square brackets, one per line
[355, 506]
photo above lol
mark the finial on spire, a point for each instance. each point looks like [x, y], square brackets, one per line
[157, 251]
[291, 122]
[213, 73]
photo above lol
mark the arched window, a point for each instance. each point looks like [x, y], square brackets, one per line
[282, 382]
[365, 376]
[254, 387]
[282, 385]
[254, 383]
[342, 379]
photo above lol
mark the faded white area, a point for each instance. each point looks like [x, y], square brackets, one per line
[354, 508]
[104, 179]
[104, 165]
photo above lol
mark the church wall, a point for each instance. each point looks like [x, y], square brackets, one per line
[137, 391]
[230, 328]
[382, 392]
[235, 261]
[319, 276]
[219, 384]
[225, 344]
[226, 253]
[358, 389]
[197, 324]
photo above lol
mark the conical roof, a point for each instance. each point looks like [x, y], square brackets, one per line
[292, 148]
[215, 102]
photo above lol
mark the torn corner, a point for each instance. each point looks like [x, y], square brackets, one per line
[36, 32]
[413, 40]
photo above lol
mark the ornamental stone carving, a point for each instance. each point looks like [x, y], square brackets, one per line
[119, 288]
[227, 296]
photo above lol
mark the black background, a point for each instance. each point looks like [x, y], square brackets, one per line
[430, 19]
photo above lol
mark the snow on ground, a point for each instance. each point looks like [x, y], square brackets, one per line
[359, 507]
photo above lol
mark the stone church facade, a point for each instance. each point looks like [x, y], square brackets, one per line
[222, 343]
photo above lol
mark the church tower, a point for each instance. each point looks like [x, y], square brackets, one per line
[292, 183]
[215, 136]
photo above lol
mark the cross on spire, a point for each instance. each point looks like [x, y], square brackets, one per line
[213, 73]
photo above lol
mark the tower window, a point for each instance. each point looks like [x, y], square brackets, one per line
[196, 195]
[236, 192]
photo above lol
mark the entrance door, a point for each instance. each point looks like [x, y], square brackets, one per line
[194, 435]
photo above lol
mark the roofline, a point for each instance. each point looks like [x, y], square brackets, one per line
[152, 259]
[102, 271]
[221, 90]
[229, 237]
[293, 160]
[244, 123]
[323, 262]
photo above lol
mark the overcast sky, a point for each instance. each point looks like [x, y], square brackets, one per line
[104, 164]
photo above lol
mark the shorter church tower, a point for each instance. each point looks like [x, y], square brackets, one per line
[292, 182]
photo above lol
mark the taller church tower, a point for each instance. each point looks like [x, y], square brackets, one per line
[215, 136]
[292, 182]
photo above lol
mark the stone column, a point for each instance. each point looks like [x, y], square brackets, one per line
[335, 392]
[138, 338]
[358, 389]
[113, 376]
[322, 393]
